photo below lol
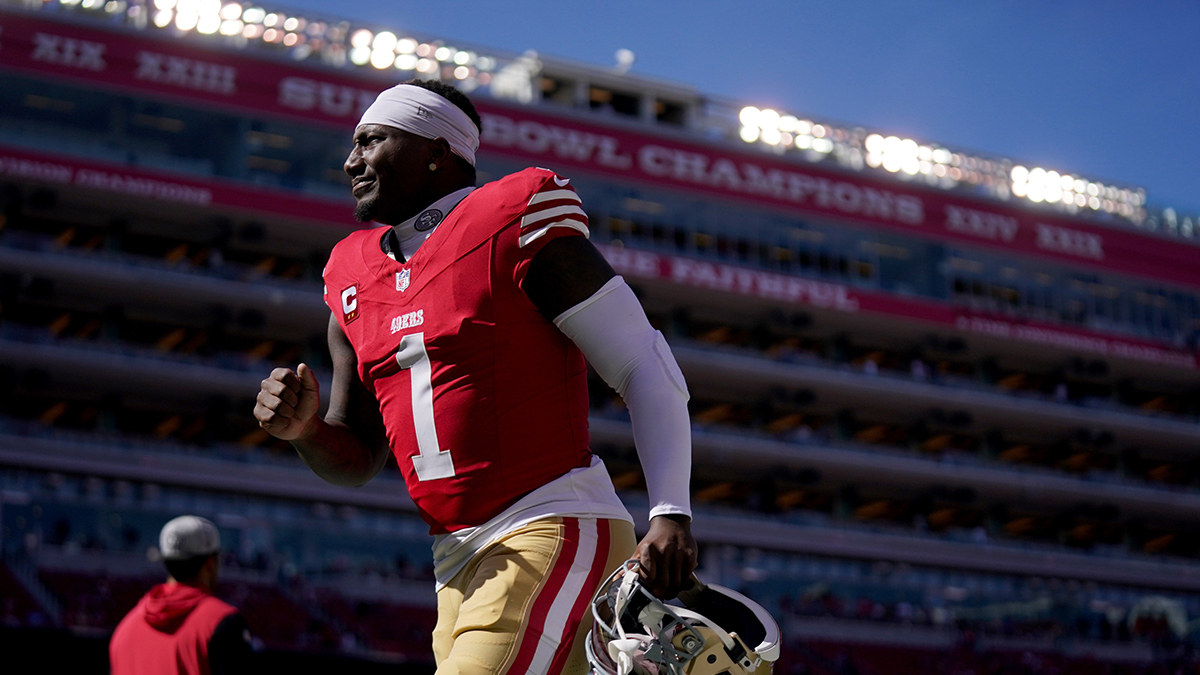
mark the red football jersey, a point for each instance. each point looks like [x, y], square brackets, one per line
[484, 400]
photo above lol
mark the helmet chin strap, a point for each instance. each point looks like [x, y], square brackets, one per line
[622, 650]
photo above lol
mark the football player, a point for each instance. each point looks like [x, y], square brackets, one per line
[458, 336]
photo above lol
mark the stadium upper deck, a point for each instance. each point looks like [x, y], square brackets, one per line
[337, 44]
[273, 103]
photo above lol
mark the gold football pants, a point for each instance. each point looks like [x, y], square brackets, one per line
[523, 604]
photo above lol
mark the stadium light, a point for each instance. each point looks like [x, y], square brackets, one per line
[334, 42]
[361, 38]
[186, 20]
[935, 165]
[1041, 185]
[208, 24]
[382, 58]
[360, 56]
[384, 41]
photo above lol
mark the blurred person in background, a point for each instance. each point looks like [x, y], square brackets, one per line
[179, 626]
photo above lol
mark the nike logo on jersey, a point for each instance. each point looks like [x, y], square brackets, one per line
[562, 182]
[409, 320]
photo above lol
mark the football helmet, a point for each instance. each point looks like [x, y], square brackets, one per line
[715, 631]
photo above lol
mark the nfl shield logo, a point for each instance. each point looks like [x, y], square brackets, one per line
[402, 280]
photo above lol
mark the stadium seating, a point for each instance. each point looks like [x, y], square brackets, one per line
[907, 494]
[17, 607]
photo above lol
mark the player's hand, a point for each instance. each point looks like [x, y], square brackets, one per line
[667, 554]
[287, 403]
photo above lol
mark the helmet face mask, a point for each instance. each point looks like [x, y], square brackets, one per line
[636, 633]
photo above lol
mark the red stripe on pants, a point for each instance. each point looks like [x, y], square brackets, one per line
[541, 606]
[581, 606]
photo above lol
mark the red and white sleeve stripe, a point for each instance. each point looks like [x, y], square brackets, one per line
[554, 205]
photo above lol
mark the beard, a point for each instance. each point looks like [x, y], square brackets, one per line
[365, 210]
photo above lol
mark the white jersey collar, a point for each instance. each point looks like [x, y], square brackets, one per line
[411, 233]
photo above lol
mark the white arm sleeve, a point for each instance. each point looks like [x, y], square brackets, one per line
[611, 330]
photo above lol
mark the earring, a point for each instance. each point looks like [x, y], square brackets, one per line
[432, 166]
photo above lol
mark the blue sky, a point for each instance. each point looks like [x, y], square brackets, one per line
[1099, 88]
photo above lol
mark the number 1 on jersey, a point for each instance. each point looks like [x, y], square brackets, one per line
[432, 462]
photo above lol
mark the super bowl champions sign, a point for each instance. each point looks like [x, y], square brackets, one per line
[699, 169]
[766, 180]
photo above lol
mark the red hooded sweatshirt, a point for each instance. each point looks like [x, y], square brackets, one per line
[171, 631]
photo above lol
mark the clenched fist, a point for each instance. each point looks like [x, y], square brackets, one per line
[287, 403]
[667, 554]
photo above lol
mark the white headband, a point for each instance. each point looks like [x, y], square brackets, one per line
[426, 114]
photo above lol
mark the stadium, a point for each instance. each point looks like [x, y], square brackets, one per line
[944, 404]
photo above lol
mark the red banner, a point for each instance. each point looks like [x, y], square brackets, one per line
[788, 289]
[169, 187]
[161, 66]
[550, 141]
[213, 75]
